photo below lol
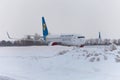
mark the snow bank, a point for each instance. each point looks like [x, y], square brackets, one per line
[59, 63]
[6, 78]
[94, 54]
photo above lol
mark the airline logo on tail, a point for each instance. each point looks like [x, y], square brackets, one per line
[45, 30]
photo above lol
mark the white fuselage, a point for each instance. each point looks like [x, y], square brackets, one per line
[72, 40]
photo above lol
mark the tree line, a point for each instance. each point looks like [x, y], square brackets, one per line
[21, 43]
[39, 43]
[102, 41]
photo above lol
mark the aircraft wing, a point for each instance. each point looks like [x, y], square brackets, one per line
[26, 39]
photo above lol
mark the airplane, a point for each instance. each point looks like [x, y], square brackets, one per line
[68, 40]
[65, 40]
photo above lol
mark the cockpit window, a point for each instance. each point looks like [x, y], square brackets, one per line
[81, 37]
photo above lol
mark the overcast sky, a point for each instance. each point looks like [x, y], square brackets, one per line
[85, 17]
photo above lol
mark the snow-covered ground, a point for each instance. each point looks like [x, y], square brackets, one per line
[59, 63]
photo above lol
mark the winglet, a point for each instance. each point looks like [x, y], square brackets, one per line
[8, 35]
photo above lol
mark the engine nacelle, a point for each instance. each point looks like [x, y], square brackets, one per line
[81, 45]
[53, 43]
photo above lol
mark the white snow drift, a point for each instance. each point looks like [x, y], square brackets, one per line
[59, 63]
